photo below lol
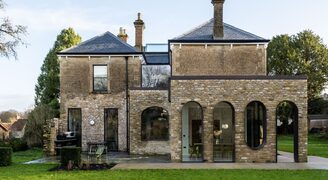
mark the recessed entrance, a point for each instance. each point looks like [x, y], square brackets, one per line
[223, 133]
[287, 131]
[192, 132]
[111, 129]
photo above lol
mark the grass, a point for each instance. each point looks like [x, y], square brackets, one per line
[40, 171]
[25, 156]
[316, 145]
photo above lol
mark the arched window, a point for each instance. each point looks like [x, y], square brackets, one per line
[154, 124]
[255, 124]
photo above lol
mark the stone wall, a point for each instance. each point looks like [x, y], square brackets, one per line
[139, 101]
[214, 60]
[49, 136]
[76, 80]
[239, 93]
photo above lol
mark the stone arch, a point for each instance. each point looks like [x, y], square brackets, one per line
[291, 118]
[224, 132]
[255, 125]
[192, 132]
[154, 124]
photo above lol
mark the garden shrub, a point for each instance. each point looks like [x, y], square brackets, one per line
[70, 154]
[18, 144]
[4, 144]
[5, 156]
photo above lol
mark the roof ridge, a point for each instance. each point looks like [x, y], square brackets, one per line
[84, 42]
[99, 36]
[194, 29]
[204, 32]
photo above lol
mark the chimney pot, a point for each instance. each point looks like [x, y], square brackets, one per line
[122, 35]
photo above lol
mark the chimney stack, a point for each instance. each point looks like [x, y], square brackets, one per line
[122, 35]
[218, 28]
[139, 26]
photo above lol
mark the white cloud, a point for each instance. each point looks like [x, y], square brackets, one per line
[54, 19]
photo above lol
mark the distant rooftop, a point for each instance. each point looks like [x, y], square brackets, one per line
[231, 33]
[107, 43]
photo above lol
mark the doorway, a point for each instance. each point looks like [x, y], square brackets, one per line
[223, 133]
[111, 129]
[192, 132]
[287, 132]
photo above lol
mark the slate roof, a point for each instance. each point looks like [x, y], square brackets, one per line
[157, 58]
[106, 43]
[205, 33]
[18, 125]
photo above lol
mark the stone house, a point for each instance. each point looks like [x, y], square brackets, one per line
[218, 103]
[4, 131]
[17, 129]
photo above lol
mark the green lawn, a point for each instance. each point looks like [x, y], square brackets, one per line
[40, 171]
[25, 156]
[316, 145]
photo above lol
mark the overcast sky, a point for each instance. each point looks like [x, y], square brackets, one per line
[164, 19]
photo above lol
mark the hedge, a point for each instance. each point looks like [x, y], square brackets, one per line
[18, 144]
[5, 156]
[70, 154]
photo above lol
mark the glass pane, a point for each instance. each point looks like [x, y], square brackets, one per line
[100, 78]
[155, 124]
[255, 121]
[155, 76]
[223, 132]
[74, 124]
[111, 129]
[192, 132]
[156, 48]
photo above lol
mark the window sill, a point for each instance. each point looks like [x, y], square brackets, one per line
[100, 92]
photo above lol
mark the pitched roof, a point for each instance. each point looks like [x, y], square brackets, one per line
[4, 127]
[103, 44]
[18, 125]
[157, 58]
[205, 33]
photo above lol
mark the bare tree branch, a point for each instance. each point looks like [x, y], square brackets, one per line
[10, 36]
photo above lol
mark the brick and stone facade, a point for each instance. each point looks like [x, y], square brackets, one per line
[77, 92]
[188, 60]
[141, 100]
[239, 92]
[229, 65]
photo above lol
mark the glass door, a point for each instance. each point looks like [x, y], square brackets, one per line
[111, 129]
[192, 132]
[223, 133]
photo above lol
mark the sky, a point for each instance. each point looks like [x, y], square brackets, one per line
[165, 19]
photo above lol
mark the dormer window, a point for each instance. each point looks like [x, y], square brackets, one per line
[100, 78]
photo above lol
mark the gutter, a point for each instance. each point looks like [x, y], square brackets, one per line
[227, 41]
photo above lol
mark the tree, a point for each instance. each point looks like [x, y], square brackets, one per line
[301, 54]
[8, 116]
[47, 89]
[10, 35]
[36, 121]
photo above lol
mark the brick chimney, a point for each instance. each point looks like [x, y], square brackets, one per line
[122, 35]
[140, 26]
[218, 28]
